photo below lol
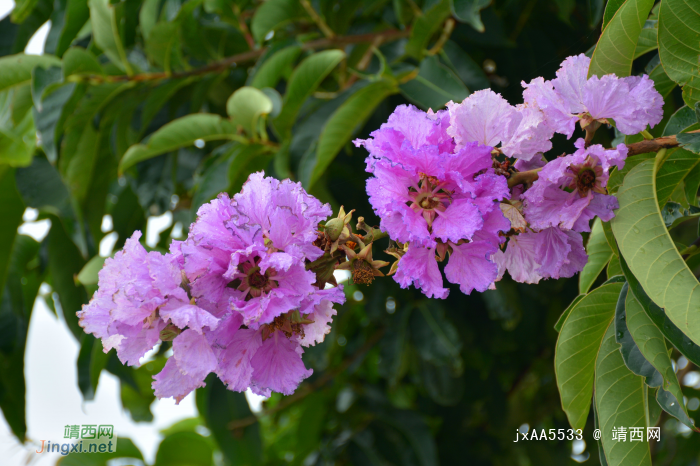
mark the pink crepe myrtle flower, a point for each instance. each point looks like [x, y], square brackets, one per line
[139, 294]
[632, 102]
[439, 197]
[570, 190]
[487, 118]
[551, 253]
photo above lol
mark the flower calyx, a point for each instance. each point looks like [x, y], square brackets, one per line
[291, 323]
[336, 230]
[362, 266]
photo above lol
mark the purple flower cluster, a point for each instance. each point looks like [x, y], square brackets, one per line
[438, 195]
[438, 179]
[235, 297]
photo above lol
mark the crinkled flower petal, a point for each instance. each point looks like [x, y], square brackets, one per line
[520, 258]
[561, 253]
[193, 354]
[484, 117]
[277, 364]
[570, 81]
[419, 267]
[171, 382]
[470, 266]
[557, 114]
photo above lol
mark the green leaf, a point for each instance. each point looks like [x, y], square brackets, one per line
[184, 449]
[275, 67]
[610, 9]
[77, 60]
[158, 97]
[663, 84]
[17, 138]
[148, 16]
[692, 184]
[607, 229]
[675, 168]
[17, 69]
[344, 122]
[179, 133]
[684, 119]
[22, 10]
[88, 274]
[67, 19]
[657, 315]
[646, 42]
[690, 142]
[614, 269]
[618, 176]
[633, 357]
[272, 15]
[137, 395]
[303, 82]
[652, 345]
[434, 86]
[11, 210]
[105, 30]
[679, 26]
[621, 399]
[219, 407]
[246, 107]
[577, 349]
[615, 50]
[599, 254]
[468, 11]
[65, 262]
[23, 281]
[48, 115]
[650, 252]
[246, 159]
[91, 361]
[163, 45]
[567, 311]
[425, 26]
[468, 71]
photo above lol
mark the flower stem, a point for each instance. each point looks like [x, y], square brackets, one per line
[525, 177]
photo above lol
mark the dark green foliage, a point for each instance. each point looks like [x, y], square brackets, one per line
[161, 105]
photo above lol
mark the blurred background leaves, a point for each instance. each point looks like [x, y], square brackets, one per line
[145, 108]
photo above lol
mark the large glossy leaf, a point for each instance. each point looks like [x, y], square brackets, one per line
[650, 252]
[105, 27]
[17, 135]
[303, 82]
[17, 69]
[657, 315]
[663, 84]
[679, 48]
[275, 67]
[621, 400]
[672, 173]
[434, 86]
[163, 45]
[468, 71]
[611, 8]
[344, 122]
[615, 50]
[179, 133]
[634, 359]
[646, 42]
[577, 350]
[599, 254]
[77, 60]
[652, 345]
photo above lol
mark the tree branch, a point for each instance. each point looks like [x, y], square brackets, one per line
[653, 145]
[221, 65]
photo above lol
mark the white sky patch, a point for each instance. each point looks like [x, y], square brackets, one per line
[156, 225]
[36, 43]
